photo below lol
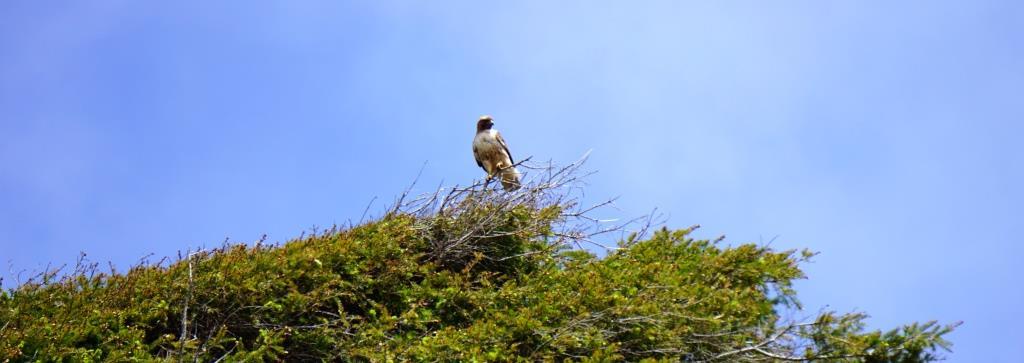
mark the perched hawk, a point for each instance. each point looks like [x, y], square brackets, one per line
[492, 154]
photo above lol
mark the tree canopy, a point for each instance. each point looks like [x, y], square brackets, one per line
[466, 274]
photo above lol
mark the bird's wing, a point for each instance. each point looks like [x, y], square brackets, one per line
[501, 140]
[476, 155]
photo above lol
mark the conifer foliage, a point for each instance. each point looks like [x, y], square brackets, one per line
[463, 274]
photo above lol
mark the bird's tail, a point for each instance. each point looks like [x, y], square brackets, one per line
[510, 179]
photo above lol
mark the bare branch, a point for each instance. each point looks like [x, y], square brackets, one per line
[461, 222]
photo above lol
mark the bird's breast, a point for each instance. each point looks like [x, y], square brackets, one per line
[485, 140]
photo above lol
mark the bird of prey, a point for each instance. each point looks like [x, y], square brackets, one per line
[491, 153]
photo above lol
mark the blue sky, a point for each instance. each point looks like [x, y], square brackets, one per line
[883, 134]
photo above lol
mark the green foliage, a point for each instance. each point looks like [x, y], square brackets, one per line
[407, 287]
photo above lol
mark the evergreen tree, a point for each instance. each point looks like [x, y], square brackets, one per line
[466, 274]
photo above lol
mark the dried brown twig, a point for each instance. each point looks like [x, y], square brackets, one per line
[472, 222]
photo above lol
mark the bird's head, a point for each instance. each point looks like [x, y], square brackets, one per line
[485, 123]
